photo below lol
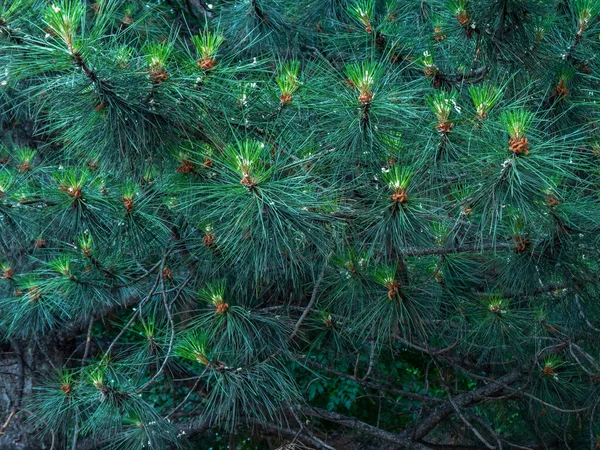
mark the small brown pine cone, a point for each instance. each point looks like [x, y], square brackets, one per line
[207, 63]
[438, 35]
[158, 75]
[519, 146]
[444, 127]
[463, 18]
[25, 167]
[400, 196]
[521, 244]
[365, 97]
[547, 371]
[185, 167]
[431, 71]
[8, 273]
[247, 181]
[285, 98]
[551, 201]
[209, 240]
[561, 89]
[393, 288]
[74, 192]
[222, 307]
[128, 203]
[126, 20]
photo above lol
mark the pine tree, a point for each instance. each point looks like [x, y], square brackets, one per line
[330, 223]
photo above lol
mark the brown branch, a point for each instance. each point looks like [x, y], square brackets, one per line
[413, 251]
[313, 298]
[171, 340]
[190, 392]
[457, 410]
[464, 399]
[363, 427]
[471, 77]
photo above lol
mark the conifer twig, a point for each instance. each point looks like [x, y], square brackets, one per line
[171, 341]
[313, 298]
[139, 308]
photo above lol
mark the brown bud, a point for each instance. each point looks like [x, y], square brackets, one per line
[400, 196]
[207, 63]
[186, 167]
[519, 146]
[128, 203]
[365, 97]
[285, 98]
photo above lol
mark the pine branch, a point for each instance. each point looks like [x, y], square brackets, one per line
[313, 298]
[465, 399]
[363, 427]
[473, 76]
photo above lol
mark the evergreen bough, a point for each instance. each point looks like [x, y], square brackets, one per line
[322, 220]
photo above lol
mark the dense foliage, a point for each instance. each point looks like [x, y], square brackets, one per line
[331, 223]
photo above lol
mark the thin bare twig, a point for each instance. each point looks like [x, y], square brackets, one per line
[185, 399]
[171, 340]
[313, 298]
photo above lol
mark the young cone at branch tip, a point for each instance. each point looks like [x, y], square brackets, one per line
[247, 159]
[362, 11]
[459, 9]
[426, 62]
[485, 97]
[565, 75]
[25, 158]
[441, 104]
[157, 55]
[585, 12]
[517, 122]
[7, 271]
[287, 80]
[214, 294]
[64, 19]
[193, 347]
[207, 44]
[363, 77]
[397, 180]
